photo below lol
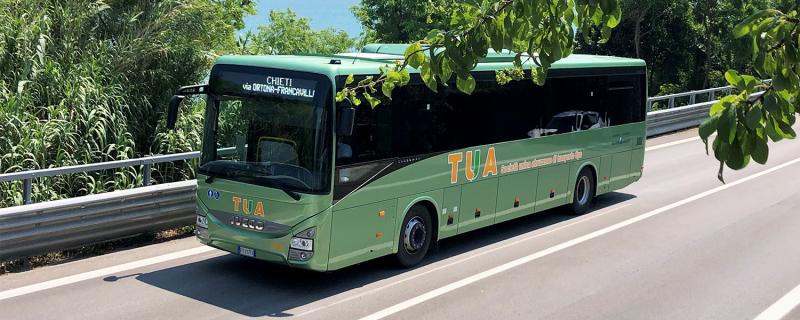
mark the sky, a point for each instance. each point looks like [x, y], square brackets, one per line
[323, 14]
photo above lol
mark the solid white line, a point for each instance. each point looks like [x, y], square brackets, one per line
[101, 272]
[504, 267]
[782, 307]
[670, 144]
[460, 261]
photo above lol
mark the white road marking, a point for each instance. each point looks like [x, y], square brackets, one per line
[507, 266]
[101, 272]
[782, 307]
[670, 144]
[460, 261]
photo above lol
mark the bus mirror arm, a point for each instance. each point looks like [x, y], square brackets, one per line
[347, 116]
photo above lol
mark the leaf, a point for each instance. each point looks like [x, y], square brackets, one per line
[446, 69]
[771, 105]
[716, 108]
[771, 130]
[720, 148]
[373, 102]
[753, 119]
[349, 80]
[466, 85]
[405, 77]
[387, 89]
[707, 128]
[760, 152]
[734, 79]
[414, 55]
[427, 77]
[736, 158]
[785, 130]
[615, 17]
[726, 128]
[747, 25]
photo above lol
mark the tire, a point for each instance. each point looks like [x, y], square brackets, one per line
[415, 237]
[583, 195]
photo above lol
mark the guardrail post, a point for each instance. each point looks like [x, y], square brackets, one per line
[146, 174]
[649, 105]
[691, 98]
[26, 191]
[711, 96]
[671, 103]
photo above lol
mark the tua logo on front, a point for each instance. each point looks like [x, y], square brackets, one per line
[248, 206]
[472, 159]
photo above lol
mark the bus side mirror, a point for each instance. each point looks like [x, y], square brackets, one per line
[172, 112]
[347, 119]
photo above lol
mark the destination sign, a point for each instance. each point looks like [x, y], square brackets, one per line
[254, 84]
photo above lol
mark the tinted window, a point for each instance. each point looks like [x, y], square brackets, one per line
[418, 121]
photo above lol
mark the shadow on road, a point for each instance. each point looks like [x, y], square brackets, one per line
[254, 288]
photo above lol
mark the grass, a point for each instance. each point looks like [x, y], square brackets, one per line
[88, 81]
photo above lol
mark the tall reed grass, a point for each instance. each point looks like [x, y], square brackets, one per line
[87, 81]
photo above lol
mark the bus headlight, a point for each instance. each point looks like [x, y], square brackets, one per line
[302, 244]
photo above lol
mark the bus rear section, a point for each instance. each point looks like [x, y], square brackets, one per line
[462, 162]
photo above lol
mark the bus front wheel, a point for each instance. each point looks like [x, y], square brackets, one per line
[583, 197]
[415, 237]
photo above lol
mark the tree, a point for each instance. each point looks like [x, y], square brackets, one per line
[659, 32]
[746, 121]
[686, 43]
[539, 32]
[401, 21]
[287, 33]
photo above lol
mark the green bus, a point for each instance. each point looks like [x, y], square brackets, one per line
[289, 175]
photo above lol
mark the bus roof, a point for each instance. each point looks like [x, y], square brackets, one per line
[375, 55]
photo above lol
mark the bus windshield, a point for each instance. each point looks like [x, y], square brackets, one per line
[268, 141]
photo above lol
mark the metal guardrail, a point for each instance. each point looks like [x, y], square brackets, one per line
[668, 120]
[62, 224]
[67, 223]
[147, 162]
[711, 95]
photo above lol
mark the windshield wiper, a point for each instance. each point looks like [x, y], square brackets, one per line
[290, 192]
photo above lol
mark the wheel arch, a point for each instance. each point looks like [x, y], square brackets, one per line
[433, 209]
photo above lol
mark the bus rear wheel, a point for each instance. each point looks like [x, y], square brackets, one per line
[415, 237]
[585, 188]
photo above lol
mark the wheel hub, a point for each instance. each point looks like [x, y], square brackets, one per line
[582, 190]
[414, 235]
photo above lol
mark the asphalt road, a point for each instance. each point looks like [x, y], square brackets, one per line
[676, 245]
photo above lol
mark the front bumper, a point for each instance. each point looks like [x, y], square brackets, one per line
[274, 249]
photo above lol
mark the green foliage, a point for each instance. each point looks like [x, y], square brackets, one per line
[685, 43]
[85, 81]
[401, 21]
[747, 120]
[287, 33]
[540, 32]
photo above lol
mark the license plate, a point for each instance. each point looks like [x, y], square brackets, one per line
[247, 252]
